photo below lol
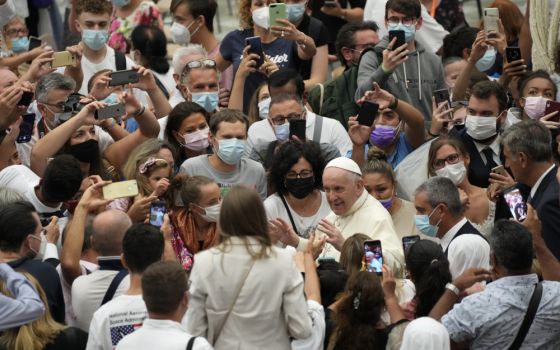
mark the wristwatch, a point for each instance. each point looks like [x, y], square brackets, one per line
[452, 288]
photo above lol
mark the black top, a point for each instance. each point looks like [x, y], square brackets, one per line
[466, 229]
[320, 35]
[381, 335]
[49, 280]
[71, 338]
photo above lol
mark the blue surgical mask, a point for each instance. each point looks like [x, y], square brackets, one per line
[387, 203]
[295, 11]
[423, 224]
[20, 44]
[207, 100]
[230, 151]
[487, 61]
[112, 99]
[120, 3]
[409, 31]
[264, 105]
[95, 39]
[282, 132]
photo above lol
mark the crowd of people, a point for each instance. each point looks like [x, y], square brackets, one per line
[361, 174]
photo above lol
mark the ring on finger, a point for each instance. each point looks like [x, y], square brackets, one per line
[282, 33]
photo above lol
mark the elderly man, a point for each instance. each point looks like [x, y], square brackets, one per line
[353, 211]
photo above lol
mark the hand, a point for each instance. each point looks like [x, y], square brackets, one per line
[464, 198]
[394, 58]
[478, 48]
[92, 199]
[268, 67]
[533, 224]
[8, 100]
[500, 181]
[147, 82]
[40, 66]
[248, 64]
[441, 116]
[132, 106]
[333, 11]
[14, 129]
[287, 31]
[53, 231]
[315, 247]
[512, 69]
[140, 209]
[549, 123]
[382, 97]
[87, 114]
[281, 231]
[224, 97]
[359, 134]
[101, 86]
[335, 237]
[470, 277]
[388, 283]
[161, 187]
[166, 229]
[498, 39]
[77, 51]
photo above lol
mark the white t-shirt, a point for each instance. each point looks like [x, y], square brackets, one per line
[114, 320]
[317, 338]
[88, 292]
[161, 335]
[261, 134]
[67, 290]
[304, 225]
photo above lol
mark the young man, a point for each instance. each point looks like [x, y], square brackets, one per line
[410, 72]
[228, 134]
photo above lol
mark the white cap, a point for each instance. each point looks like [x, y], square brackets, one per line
[346, 164]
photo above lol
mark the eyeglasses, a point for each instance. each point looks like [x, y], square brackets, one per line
[362, 46]
[15, 31]
[280, 119]
[407, 21]
[301, 175]
[450, 159]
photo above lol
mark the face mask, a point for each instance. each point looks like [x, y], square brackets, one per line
[112, 99]
[86, 152]
[454, 172]
[383, 135]
[261, 17]
[480, 128]
[409, 31]
[264, 105]
[181, 34]
[20, 44]
[423, 224]
[120, 3]
[282, 132]
[295, 11]
[206, 100]
[230, 151]
[487, 61]
[197, 141]
[95, 39]
[386, 203]
[211, 213]
[300, 188]
[514, 115]
[535, 106]
[41, 253]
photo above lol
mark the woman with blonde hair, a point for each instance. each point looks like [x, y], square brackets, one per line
[232, 301]
[44, 333]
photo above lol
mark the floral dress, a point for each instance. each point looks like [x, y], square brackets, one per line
[120, 29]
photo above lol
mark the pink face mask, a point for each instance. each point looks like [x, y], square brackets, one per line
[197, 141]
[535, 106]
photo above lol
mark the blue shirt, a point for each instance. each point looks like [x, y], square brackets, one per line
[491, 318]
[280, 51]
[402, 149]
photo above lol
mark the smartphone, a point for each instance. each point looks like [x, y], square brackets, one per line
[399, 34]
[124, 77]
[63, 59]
[516, 204]
[373, 256]
[491, 16]
[500, 170]
[277, 11]
[26, 128]
[513, 54]
[297, 128]
[368, 113]
[552, 106]
[442, 96]
[34, 43]
[26, 99]
[120, 189]
[408, 241]
[330, 3]
[157, 211]
[255, 47]
[112, 111]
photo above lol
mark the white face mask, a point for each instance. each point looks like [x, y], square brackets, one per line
[480, 128]
[454, 172]
[264, 105]
[41, 253]
[261, 17]
[181, 34]
[211, 213]
[514, 115]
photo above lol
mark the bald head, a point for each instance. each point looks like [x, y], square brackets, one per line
[109, 228]
[7, 79]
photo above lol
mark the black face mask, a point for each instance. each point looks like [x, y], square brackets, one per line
[86, 152]
[300, 188]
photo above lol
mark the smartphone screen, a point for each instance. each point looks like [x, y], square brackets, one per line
[368, 113]
[157, 211]
[297, 128]
[373, 256]
[513, 54]
[408, 241]
[26, 128]
[256, 48]
[516, 204]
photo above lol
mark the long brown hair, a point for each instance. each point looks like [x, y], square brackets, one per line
[439, 143]
[33, 335]
[511, 16]
[242, 215]
[352, 253]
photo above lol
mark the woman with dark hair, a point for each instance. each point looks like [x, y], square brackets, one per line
[535, 89]
[187, 131]
[299, 204]
[429, 271]
[149, 49]
[239, 274]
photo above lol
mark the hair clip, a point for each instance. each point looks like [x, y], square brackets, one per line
[357, 301]
[435, 261]
[143, 168]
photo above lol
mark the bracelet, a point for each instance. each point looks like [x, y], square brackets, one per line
[343, 16]
[432, 135]
[453, 288]
[139, 112]
[107, 128]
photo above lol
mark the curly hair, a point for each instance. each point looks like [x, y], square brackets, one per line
[97, 7]
[245, 18]
[289, 154]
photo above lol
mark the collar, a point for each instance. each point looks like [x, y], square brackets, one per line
[519, 280]
[110, 263]
[39, 206]
[494, 146]
[357, 204]
[162, 324]
[309, 118]
[538, 183]
[448, 237]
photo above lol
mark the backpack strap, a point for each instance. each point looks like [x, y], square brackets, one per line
[289, 213]
[529, 316]
[317, 130]
[120, 60]
[321, 97]
[161, 87]
[190, 344]
[114, 285]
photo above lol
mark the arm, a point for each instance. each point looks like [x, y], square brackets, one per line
[478, 49]
[168, 252]
[221, 63]
[74, 71]
[306, 48]
[114, 130]
[147, 83]
[25, 306]
[39, 67]
[550, 266]
[312, 288]
[246, 67]
[525, 39]
[354, 14]
[13, 62]
[391, 300]
[319, 68]
[72, 18]
[8, 144]
[359, 135]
